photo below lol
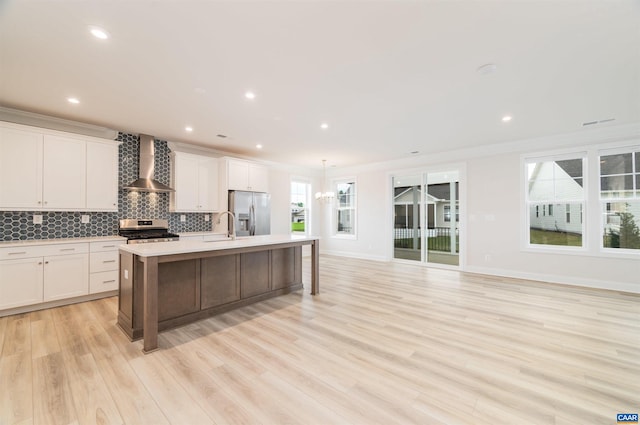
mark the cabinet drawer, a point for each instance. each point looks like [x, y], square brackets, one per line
[43, 250]
[105, 246]
[21, 252]
[103, 281]
[65, 249]
[104, 261]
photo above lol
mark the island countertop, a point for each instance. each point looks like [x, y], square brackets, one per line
[271, 269]
[157, 249]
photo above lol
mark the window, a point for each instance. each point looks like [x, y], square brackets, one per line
[556, 181]
[300, 207]
[620, 199]
[447, 213]
[345, 208]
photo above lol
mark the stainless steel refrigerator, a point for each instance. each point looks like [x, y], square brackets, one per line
[252, 211]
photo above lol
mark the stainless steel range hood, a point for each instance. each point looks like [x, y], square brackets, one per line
[146, 182]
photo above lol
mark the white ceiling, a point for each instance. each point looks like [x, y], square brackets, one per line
[390, 77]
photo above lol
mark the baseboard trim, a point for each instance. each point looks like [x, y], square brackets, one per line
[561, 280]
[354, 255]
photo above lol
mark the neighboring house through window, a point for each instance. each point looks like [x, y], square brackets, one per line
[556, 183]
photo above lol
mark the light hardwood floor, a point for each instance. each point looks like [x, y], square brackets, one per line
[382, 344]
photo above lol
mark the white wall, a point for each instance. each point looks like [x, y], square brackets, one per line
[494, 243]
[280, 189]
[491, 212]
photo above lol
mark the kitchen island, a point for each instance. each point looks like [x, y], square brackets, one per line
[168, 284]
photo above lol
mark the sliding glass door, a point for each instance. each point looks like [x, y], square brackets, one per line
[426, 217]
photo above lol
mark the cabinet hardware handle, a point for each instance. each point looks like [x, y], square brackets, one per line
[40, 263]
[108, 281]
[109, 261]
[45, 202]
[108, 246]
[46, 262]
[67, 249]
[18, 253]
[39, 202]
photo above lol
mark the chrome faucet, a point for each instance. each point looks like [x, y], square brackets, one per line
[230, 234]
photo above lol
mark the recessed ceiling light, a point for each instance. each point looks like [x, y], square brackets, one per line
[258, 146]
[324, 126]
[188, 129]
[98, 32]
[250, 95]
[73, 100]
[486, 69]
[506, 118]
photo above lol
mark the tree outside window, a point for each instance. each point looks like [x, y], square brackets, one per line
[620, 199]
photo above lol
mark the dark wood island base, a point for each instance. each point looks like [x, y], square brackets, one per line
[159, 292]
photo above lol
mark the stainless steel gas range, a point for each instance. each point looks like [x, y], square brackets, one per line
[146, 231]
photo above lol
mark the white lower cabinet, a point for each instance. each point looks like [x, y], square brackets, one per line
[20, 282]
[66, 276]
[36, 274]
[104, 267]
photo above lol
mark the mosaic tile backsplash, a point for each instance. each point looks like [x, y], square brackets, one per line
[18, 225]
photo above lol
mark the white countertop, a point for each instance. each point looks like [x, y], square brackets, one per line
[185, 247]
[34, 242]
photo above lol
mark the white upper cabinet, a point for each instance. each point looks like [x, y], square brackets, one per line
[195, 180]
[20, 169]
[64, 173]
[245, 175]
[55, 171]
[102, 177]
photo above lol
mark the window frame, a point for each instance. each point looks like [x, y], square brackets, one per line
[308, 204]
[605, 203]
[336, 208]
[527, 203]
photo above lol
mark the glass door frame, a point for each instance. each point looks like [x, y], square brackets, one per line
[460, 169]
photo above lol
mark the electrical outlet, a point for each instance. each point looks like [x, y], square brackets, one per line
[183, 218]
[37, 219]
[84, 219]
[206, 217]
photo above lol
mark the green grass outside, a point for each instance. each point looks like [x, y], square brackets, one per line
[548, 237]
[297, 227]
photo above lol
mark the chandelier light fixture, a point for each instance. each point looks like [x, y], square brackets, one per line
[324, 195]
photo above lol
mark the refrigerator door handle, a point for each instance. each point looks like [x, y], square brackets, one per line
[252, 220]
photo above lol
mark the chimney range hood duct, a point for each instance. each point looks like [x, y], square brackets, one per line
[146, 182]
